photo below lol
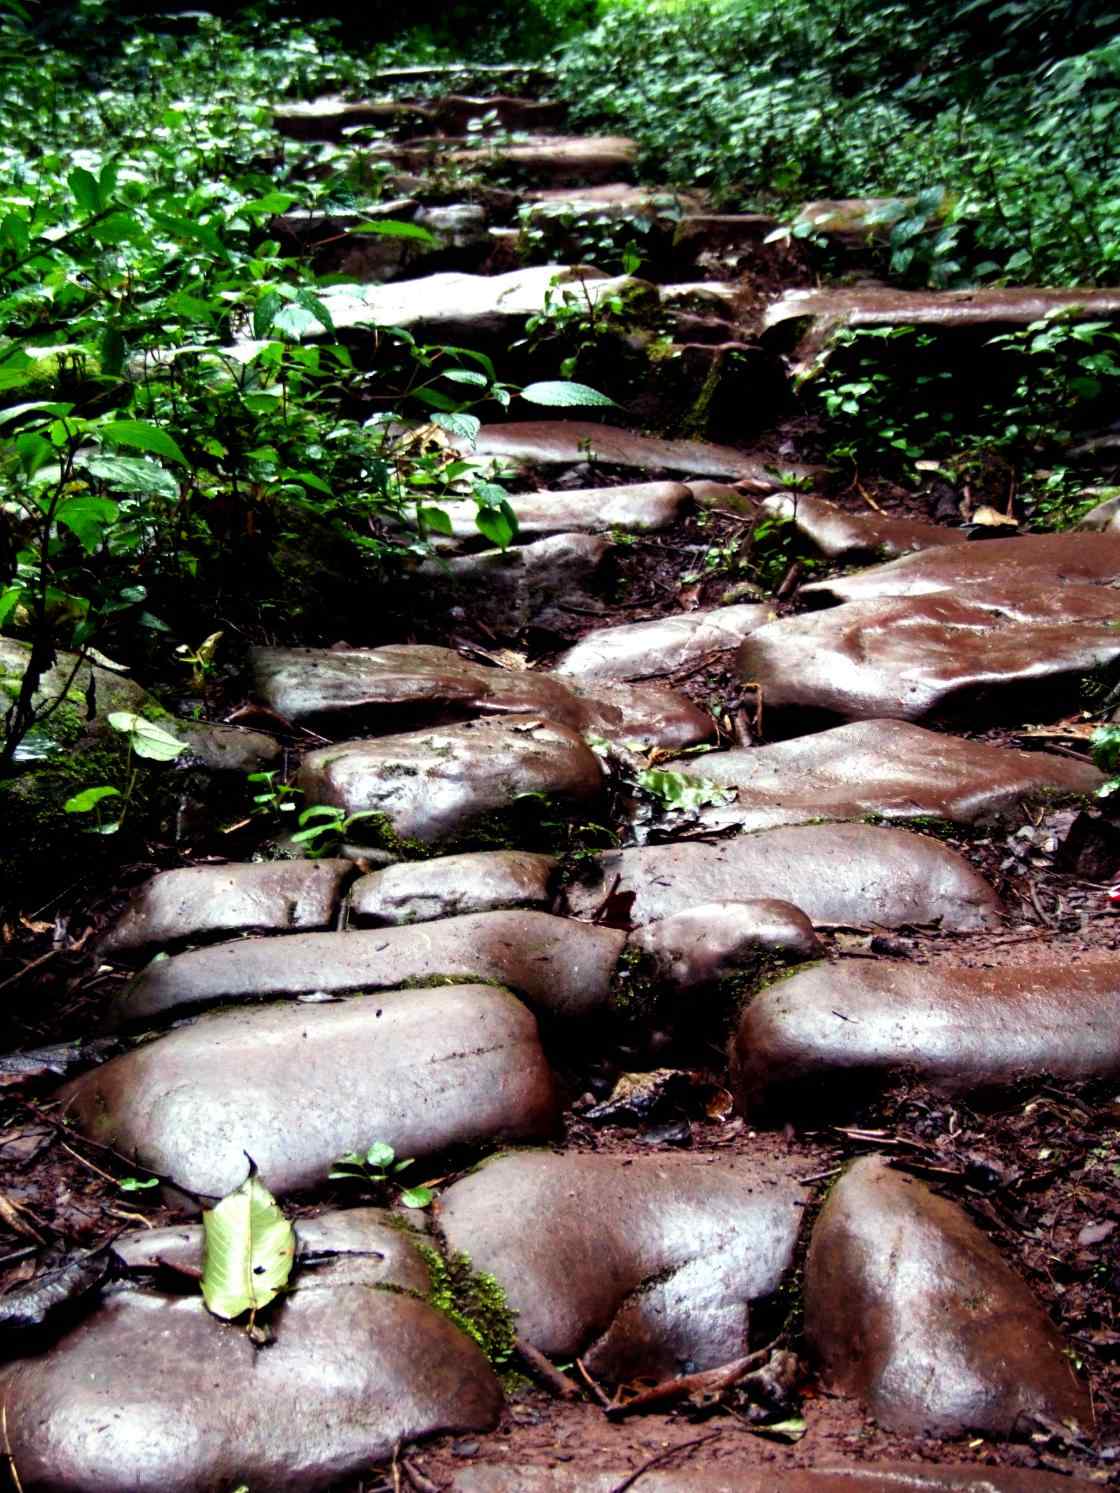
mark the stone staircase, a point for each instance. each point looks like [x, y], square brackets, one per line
[423, 988]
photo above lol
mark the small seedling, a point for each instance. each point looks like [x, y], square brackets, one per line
[379, 1168]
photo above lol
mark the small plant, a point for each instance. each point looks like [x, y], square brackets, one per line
[378, 1168]
[274, 795]
[323, 828]
[145, 739]
[1105, 743]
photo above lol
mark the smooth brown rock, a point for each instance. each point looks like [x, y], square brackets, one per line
[716, 939]
[866, 1477]
[829, 308]
[836, 873]
[329, 118]
[559, 965]
[224, 748]
[437, 784]
[482, 881]
[857, 536]
[977, 657]
[912, 1309]
[640, 1264]
[1006, 573]
[550, 583]
[296, 1086]
[567, 442]
[636, 508]
[154, 1395]
[576, 160]
[1104, 517]
[884, 767]
[406, 684]
[611, 200]
[641, 650]
[365, 1246]
[831, 1030]
[199, 901]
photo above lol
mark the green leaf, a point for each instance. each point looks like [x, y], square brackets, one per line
[87, 518]
[248, 1250]
[786, 1430]
[132, 474]
[677, 790]
[87, 194]
[380, 1154]
[264, 313]
[146, 738]
[9, 600]
[498, 524]
[562, 394]
[134, 1184]
[436, 520]
[417, 1197]
[89, 798]
[462, 427]
[143, 436]
[465, 376]
[392, 228]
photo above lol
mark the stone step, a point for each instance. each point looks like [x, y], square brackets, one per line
[910, 1308]
[825, 1477]
[333, 118]
[634, 508]
[575, 161]
[298, 1085]
[888, 768]
[357, 1362]
[978, 656]
[836, 873]
[478, 881]
[823, 1036]
[561, 966]
[644, 650]
[410, 683]
[853, 537]
[638, 1264]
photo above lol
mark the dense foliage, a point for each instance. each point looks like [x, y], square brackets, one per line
[1000, 119]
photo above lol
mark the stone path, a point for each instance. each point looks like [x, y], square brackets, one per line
[437, 981]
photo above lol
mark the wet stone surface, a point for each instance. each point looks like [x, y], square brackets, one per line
[482, 881]
[419, 1069]
[836, 873]
[643, 650]
[884, 767]
[911, 1308]
[667, 1277]
[824, 1033]
[861, 536]
[902, 1477]
[561, 966]
[707, 943]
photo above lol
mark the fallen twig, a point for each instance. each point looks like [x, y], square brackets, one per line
[558, 1382]
[707, 1382]
[596, 1389]
[421, 1483]
[664, 1456]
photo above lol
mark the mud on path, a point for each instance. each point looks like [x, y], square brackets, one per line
[634, 1031]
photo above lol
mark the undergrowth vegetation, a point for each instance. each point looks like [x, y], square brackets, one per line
[995, 123]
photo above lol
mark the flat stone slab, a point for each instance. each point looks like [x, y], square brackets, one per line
[479, 881]
[366, 1245]
[611, 200]
[202, 901]
[910, 1308]
[857, 536]
[643, 650]
[635, 508]
[707, 943]
[451, 304]
[296, 1086]
[836, 873]
[864, 1477]
[407, 684]
[576, 160]
[567, 442]
[994, 567]
[433, 785]
[153, 1394]
[888, 768]
[560, 965]
[830, 308]
[977, 656]
[550, 584]
[641, 1265]
[827, 1032]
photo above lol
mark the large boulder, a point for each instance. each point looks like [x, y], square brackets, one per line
[450, 781]
[979, 656]
[884, 767]
[708, 943]
[857, 536]
[822, 1035]
[153, 1394]
[198, 902]
[909, 1307]
[296, 1086]
[643, 650]
[479, 881]
[384, 689]
[836, 873]
[561, 966]
[643, 1265]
